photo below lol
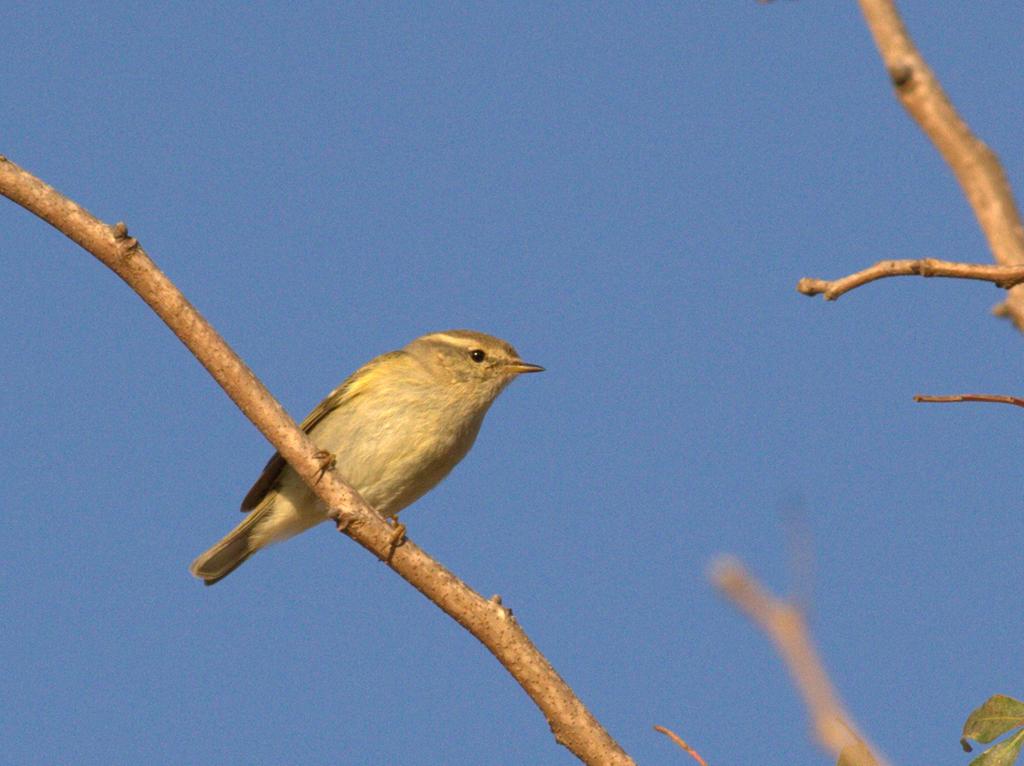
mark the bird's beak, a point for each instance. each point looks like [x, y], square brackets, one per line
[519, 367]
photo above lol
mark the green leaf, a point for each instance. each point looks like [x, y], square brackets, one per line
[857, 754]
[997, 716]
[1003, 754]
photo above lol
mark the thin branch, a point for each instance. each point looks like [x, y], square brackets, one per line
[1016, 401]
[784, 624]
[976, 167]
[1000, 276]
[492, 624]
[682, 744]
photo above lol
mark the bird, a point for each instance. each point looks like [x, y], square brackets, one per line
[393, 430]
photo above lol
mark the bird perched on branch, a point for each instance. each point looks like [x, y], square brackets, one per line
[393, 430]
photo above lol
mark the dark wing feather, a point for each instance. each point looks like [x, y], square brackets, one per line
[348, 390]
[264, 483]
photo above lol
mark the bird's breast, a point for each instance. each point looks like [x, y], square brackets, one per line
[394, 451]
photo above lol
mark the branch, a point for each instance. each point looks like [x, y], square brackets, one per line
[682, 744]
[1001, 276]
[1016, 401]
[976, 167]
[491, 623]
[784, 624]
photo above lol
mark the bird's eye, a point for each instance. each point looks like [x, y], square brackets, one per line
[477, 355]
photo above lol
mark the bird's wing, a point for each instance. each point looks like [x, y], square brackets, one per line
[354, 385]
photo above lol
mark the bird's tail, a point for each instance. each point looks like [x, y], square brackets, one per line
[229, 554]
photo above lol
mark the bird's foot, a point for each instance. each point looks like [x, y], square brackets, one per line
[397, 533]
[327, 461]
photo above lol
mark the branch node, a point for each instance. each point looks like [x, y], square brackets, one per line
[503, 611]
[129, 245]
[901, 75]
[811, 287]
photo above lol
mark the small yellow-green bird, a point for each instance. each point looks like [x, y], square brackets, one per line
[396, 427]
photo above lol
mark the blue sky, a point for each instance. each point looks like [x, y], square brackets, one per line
[626, 194]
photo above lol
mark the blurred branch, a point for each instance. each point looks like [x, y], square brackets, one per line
[682, 744]
[995, 398]
[976, 167]
[784, 624]
[491, 623]
[1001, 276]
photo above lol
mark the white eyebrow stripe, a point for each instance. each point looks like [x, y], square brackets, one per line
[454, 340]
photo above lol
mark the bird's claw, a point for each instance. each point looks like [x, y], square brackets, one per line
[397, 534]
[327, 461]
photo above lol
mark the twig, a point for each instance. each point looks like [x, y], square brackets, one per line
[996, 398]
[571, 723]
[976, 167]
[682, 743]
[784, 624]
[1001, 276]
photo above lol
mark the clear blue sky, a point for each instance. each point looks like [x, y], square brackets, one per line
[627, 195]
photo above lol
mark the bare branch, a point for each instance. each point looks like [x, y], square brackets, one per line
[492, 624]
[996, 398]
[976, 167]
[784, 624]
[1001, 276]
[682, 744]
